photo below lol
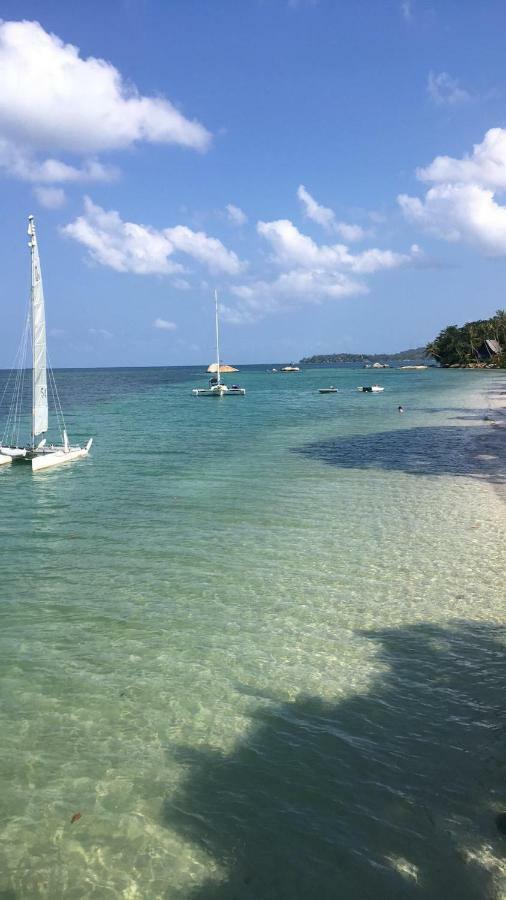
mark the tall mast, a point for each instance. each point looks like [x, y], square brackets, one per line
[39, 376]
[217, 335]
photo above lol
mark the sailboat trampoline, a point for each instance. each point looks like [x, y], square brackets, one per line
[38, 451]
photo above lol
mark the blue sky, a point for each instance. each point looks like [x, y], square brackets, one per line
[336, 169]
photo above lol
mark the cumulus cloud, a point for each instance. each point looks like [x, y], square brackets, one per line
[236, 215]
[444, 90]
[206, 250]
[325, 217]
[320, 214]
[21, 163]
[461, 206]
[164, 325]
[52, 99]
[460, 212]
[486, 165]
[291, 247]
[50, 197]
[129, 247]
[311, 273]
[261, 298]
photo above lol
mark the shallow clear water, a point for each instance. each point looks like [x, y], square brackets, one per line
[256, 642]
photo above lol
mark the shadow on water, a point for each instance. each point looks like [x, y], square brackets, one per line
[444, 450]
[388, 794]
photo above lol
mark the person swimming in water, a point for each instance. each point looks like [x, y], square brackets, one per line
[401, 409]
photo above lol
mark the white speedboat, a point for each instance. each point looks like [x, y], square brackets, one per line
[38, 452]
[290, 368]
[329, 390]
[215, 387]
[371, 389]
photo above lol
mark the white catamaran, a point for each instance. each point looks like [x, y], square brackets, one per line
[38, 452]
[216, 387]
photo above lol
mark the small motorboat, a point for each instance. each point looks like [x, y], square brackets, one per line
[371, 388]
[329, 390]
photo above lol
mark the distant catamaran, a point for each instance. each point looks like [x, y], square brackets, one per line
[41, 454]
[216, 387]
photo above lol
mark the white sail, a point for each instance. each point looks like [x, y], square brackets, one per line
[39, 454]
[40, 420]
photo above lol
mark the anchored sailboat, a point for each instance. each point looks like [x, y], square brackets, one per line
[216, 387]
[41, 454]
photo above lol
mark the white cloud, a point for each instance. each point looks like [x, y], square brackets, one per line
[260, 298]
[100, 332]
[128, 247]
[350, 233]
[461, 205]
[22, 163]
[444, 90]
[236, 215]
[164, 325]
[325, 217]
[292, 248]
[207, 250]
[311, 273]
[486, 165]
[320, 214]
[123, 246]
[460, 212]
[52, 99]
[50, 197]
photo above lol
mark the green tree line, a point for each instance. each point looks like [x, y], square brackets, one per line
[416, 353]
[464, 346]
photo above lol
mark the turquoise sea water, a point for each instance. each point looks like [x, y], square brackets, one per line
[256, 642]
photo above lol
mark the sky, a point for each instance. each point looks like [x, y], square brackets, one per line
[336, 169]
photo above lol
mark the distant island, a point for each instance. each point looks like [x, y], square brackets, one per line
[323, 359]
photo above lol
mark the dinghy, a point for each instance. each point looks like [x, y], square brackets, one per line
[38, 452]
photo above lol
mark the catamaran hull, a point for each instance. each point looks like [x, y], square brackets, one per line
[208, 392]
[57, 458]
[43, 458]
[8, 454]
[13, 452]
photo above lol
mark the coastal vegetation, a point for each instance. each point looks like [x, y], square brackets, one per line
[475, 344]
[326, 359]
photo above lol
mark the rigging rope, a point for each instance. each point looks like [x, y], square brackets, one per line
[56, 398]
[12, 424]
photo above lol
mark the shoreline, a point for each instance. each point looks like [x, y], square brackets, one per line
[488, 445]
